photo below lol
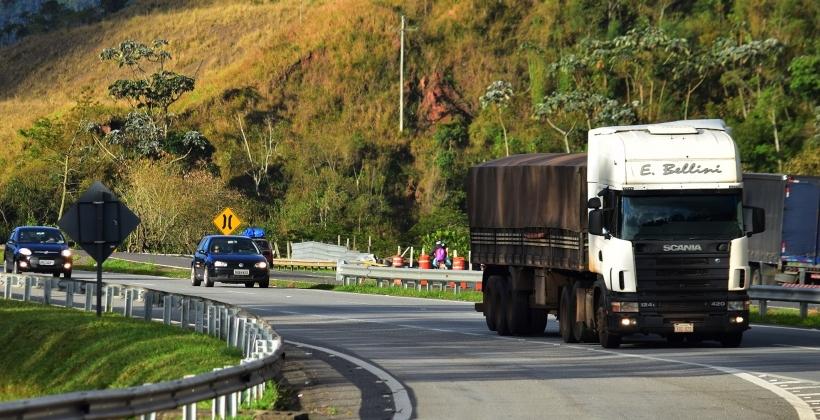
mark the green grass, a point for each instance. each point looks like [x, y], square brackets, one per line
[786, 316]
[371, 288]
[121, 266]
[50, 350]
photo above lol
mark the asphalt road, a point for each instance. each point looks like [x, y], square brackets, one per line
[454, 368]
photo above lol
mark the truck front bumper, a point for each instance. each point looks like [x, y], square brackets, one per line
[665, 324]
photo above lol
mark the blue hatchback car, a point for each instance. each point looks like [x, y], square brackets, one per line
[39, 249]
[229, 259]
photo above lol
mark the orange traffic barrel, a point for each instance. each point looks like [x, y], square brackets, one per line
[398, 261]
[459, 263]
[424, 261]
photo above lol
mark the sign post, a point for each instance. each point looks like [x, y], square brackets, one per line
[227, 221]
[98, 222]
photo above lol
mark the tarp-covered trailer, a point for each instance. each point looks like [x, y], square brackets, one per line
[529, 210]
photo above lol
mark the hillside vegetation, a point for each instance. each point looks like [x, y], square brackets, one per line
[313, 87]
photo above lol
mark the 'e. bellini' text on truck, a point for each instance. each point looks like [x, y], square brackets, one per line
[644, 234]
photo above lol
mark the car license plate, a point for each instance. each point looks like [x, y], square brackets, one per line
[46, 262]
[684, 327]
[241, 272]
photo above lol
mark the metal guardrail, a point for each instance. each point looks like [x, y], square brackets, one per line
[802, 295]
[228, 388]
[293, 264]
[345, 273]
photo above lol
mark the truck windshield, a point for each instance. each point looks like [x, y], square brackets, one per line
[681, 217]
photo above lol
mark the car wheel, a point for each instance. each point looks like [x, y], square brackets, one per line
[67, 274]
[264, 284]
[55, 274]
[248, 284]
[207, 278]
[194, 281]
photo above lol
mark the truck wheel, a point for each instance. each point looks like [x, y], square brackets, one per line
[607, 339]
[538, 321]
[489, 303]
[580, 330]
[502, 300]
[731, 339]
[566, 316]
[518, 311]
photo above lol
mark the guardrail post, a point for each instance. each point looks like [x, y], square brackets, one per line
[218, 405]
[89, 296]
[189, 411]
[764, 308]
[185, 313]
[804, 310]
[7, 288]
[69, 294]
[230, 403]
[27, 289]
[129, 302]
[211, 320]
[166, 309]
[199, 308]
[224, 323]
[47, 292]
[149, 416]
[239, 341]
[109, 299]
[148, 305]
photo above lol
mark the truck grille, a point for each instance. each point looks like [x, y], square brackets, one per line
[682, 273]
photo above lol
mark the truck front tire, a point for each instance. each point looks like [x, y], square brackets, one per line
[732, 339]
[607, 339]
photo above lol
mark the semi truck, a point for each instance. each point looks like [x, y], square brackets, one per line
[646, 233]
[789, 250]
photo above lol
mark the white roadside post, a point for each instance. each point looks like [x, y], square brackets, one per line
[199, 307]
[189, 411]
[148, 305]
[89, 295]
[69, 294]
[109, 299]
[7, 288]
[47, 292]
[27, 289]
[166, 309]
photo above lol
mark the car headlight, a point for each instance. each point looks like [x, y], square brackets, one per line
[220, 264]
[624, 306]
[24, 251]
[261, 264]
[738, 305]
[66, 253]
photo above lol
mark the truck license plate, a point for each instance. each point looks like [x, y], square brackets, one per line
[46, 262]
[241, 272]
[684, 327]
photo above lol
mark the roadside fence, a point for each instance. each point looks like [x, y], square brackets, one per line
[227, 388]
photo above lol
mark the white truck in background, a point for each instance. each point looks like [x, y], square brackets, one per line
[644, 234]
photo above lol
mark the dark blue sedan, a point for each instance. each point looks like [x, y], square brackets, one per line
[229, 259]
[38, 249]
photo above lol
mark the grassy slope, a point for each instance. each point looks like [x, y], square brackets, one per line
[49, 350]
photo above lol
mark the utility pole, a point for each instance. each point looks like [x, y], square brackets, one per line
[401, 79]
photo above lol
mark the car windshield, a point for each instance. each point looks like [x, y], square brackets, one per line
[233, 246]
[681, 217]
[40, 236]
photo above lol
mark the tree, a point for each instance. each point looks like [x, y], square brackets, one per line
[498, 96]
[259, 161]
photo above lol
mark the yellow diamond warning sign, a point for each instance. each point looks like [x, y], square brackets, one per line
[227, 221]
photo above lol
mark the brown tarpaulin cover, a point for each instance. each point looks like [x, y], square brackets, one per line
[529, 191]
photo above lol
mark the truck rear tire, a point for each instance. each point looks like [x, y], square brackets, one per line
[566, 316]
[538, 321]
[501, 298]
[490, 303]
[580, 330]
[518, 311]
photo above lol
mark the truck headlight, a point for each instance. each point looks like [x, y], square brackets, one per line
[66, 253]
[24, 251]
[261, 264]
[220, 264]
[738, 305]
[624, 306]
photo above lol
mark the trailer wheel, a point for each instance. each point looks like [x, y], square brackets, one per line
[538, 321]
[607, 339]
[490, 303]
[518, 311]
[501, 299]
[566, 316]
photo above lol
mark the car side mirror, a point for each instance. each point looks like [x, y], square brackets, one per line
[200, 251]
[758, 219]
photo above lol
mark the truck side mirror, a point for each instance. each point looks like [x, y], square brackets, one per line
[758, 216]
[594, 203]
[596, 222]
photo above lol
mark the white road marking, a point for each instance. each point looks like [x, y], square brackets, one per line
[799, 347]
[401, 399]
[808, 330]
